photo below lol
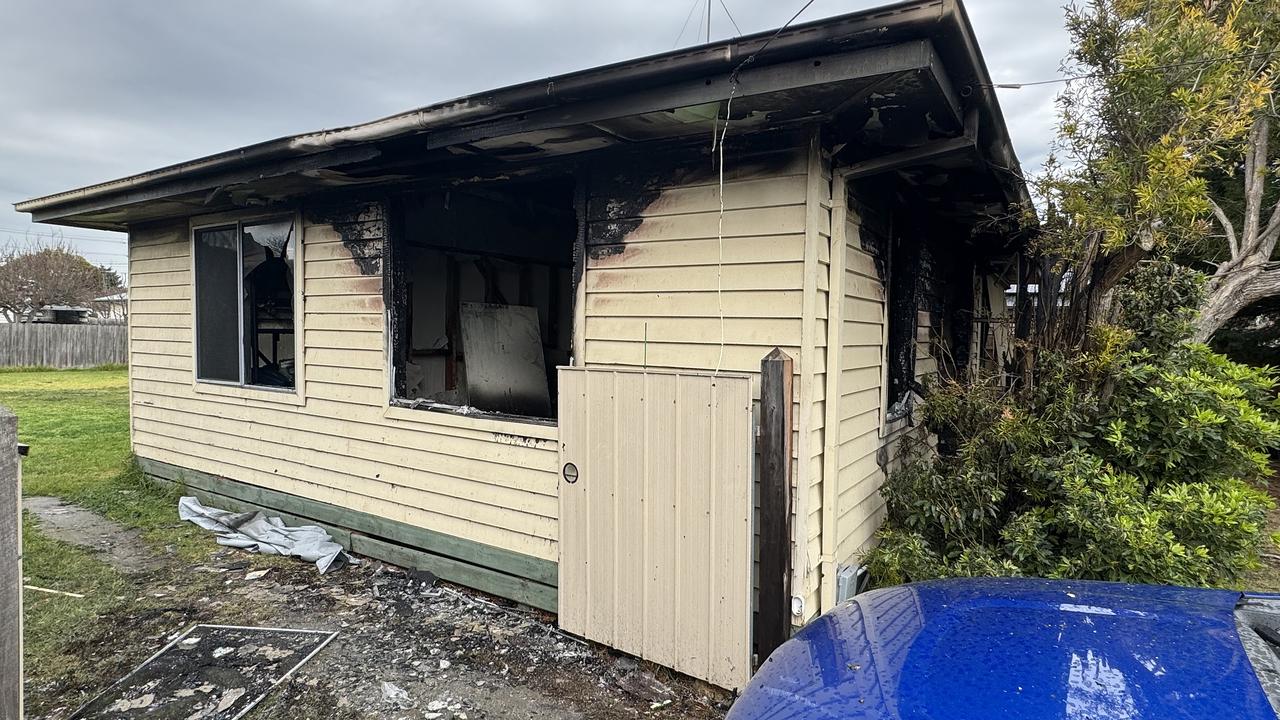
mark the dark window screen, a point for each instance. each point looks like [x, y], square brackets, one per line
[217, 307]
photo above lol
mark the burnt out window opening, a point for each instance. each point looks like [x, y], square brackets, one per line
[244, 314]
[905, 260]
[484, 296]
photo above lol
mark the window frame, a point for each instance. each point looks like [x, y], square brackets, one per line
[241, 389]
[393, 283]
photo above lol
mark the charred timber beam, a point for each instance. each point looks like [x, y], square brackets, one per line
[929, 152]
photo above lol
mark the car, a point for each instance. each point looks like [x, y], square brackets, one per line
[1031, 649]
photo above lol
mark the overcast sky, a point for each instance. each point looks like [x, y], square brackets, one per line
[93, 90]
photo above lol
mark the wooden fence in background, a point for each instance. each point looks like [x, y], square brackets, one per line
[62, 346]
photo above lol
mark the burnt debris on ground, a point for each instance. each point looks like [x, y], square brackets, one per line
[408, 646]
[210, 672]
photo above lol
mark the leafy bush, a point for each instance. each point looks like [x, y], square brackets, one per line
[1135, 460]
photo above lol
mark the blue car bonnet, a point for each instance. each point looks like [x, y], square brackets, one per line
[1014, 648]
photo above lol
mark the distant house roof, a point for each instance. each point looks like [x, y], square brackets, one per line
[893, 79]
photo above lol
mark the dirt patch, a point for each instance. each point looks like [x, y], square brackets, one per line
[124, 549]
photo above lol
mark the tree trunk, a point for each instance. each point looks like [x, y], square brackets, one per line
[1246, 287]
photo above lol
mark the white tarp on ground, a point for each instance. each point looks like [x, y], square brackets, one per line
[269, 536]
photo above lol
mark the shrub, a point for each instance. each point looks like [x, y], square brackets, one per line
[1137, 460]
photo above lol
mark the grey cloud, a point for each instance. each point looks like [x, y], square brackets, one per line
[96, 90]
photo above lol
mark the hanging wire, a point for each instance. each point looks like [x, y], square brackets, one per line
[733, 76]
[701, 19]
[718, 144]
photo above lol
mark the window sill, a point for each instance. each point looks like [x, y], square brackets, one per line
[288, 396]
[900, 416]
[450, 416]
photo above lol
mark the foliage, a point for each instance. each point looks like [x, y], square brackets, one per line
[1167, 101]
[50, 274]
[1134, 460]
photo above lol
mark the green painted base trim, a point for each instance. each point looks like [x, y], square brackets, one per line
[504, 573]
[474, 576]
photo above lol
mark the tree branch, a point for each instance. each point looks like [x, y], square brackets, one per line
[1227, 227]
[1255, 176]
[1267, 239]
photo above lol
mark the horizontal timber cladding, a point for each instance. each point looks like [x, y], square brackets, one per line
[531, 581]
[671, 284]
[859, 507]
[482, 483]
[667, 278]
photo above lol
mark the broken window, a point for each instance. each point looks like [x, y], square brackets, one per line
[484, 296]
[245, 322]
[904, 282]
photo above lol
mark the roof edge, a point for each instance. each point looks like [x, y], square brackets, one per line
[718, 55]
[821, 35]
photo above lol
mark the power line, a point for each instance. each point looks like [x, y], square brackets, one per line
[55, 232]
[1091, 76]
[698, 32]
[730, 16]
[685, 26]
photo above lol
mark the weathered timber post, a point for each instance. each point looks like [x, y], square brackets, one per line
[10, 569]
[773, 616]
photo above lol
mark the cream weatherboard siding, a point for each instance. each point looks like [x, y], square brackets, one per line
[858, 504]
[478, 479]
[654, 299]
[866, 445]
[813, 386]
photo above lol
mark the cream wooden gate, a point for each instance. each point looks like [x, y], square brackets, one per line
[655, 517]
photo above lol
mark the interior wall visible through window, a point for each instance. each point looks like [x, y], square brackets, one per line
[486, 298]
[244, 311]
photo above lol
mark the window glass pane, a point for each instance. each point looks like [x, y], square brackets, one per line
[217, 316]
[268, 303]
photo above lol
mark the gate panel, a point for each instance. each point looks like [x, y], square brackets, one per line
[655, 530]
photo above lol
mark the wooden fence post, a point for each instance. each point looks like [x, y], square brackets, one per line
[10, 568]
[773, 616]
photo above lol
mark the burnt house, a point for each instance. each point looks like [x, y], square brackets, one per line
[516, 338]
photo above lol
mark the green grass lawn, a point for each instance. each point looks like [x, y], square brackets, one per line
[77, 424]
